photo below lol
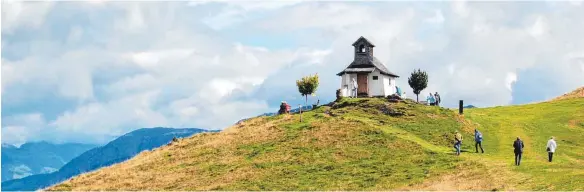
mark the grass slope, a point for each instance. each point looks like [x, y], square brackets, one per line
[358, 145]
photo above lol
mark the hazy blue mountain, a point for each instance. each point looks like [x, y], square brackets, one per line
[469, 106]
[37, 158]
[118, 150]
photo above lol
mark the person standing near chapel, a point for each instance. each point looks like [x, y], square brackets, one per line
[551, 148]
[518, 149]
[438, 99]
[479, 141]
[431, 99]
[354, 83]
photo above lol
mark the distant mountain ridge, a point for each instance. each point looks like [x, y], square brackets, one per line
[118, 150]
[37, 158]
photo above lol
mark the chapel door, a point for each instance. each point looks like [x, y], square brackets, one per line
[362, 84]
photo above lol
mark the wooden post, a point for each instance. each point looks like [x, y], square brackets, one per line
[460, 108]
[300, 109]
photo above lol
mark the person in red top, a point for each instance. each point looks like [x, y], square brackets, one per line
[287, 108]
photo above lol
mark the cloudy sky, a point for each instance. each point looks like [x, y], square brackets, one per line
[90, 71]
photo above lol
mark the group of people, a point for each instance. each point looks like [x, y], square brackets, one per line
[517, 146]
[284, 108]
[518, 149]
[434, 99]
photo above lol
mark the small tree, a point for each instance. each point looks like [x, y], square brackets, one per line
[418, 81]
[307, 86]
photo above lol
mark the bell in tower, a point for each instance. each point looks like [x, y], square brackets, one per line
[363, 47]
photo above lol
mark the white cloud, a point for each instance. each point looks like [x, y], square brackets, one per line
[234, 12]
[104, 120]
[151, 59]
[576, 2]
[169, 64]
[20, 171]
[460, 8]
[17, 14]
[451, 69]
[488, 81]
[75, 34]
[332, 16]
[539, 28]
[217, 89]
[509, 80]
[19, 129]
[438, 18]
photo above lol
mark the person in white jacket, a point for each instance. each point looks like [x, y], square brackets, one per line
[551, 148]
[355, 86]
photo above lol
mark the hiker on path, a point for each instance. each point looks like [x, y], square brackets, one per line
[438, 99]
[479, 141]
[457, 142]
[551, 148]
[518, 149]
[354, 83]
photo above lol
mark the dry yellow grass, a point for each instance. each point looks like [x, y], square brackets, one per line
[152, 170]
[578, 93]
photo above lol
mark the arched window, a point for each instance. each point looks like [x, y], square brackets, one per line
[362, 49]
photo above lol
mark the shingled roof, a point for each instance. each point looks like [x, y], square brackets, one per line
[364, 39]
[367, 64]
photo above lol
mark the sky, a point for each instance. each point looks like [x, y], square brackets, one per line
[89, 71]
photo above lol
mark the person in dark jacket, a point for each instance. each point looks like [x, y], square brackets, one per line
[479, 141]
[518, 146]
[438, 99]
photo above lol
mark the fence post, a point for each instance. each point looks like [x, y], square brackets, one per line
[300, 109]
[460, 108]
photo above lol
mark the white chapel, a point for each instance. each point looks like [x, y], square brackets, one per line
[370, 75]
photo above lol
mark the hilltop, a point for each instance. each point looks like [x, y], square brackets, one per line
[364, 144]
[578, 93]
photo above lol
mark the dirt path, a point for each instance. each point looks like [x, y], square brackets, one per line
[475, 174]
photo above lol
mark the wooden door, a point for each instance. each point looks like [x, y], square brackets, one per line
[362, 84]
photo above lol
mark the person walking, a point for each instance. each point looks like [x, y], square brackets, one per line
[551, 148]
[354, 83]
[518, 149]
[479, 141]
[438, 99]
[457, 142]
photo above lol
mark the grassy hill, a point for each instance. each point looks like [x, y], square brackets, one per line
[365, 144]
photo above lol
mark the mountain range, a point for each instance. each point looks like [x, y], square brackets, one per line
[37, 158]
[118, 150]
